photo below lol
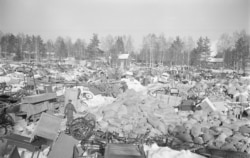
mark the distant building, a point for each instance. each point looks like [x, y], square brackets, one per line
[215, 62]
[123, 60]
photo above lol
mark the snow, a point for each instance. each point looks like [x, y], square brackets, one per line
[4, 79]
[99, 100]
[134, 84]
[155, 151]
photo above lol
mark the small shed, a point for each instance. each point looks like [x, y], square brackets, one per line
[216, 62]
[124, 60]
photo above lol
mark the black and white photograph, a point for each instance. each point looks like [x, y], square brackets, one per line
[124, 78]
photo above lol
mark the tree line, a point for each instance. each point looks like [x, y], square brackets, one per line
[155, 50]
[23, 47]
[234, 49]
[177, 51]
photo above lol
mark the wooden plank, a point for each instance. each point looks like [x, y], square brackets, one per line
[39, 98]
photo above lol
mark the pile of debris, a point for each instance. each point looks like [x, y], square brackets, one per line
[213, 130]
[128, 104]
[132, 113]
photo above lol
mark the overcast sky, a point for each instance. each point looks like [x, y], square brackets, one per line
[82, 18]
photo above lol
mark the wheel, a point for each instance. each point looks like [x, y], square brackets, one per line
[153, 93]
[8, 88]
[80, 131]
[82, 128]
[88, 95]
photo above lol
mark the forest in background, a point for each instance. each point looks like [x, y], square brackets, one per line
[156, 49]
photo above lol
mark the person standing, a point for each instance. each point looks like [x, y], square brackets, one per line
[68, 112]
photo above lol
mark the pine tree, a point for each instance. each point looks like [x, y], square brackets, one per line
[92, 48]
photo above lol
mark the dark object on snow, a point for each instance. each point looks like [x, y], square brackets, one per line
[191, 104]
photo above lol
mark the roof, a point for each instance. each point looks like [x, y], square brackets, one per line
[123, 56]
[216, 60]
